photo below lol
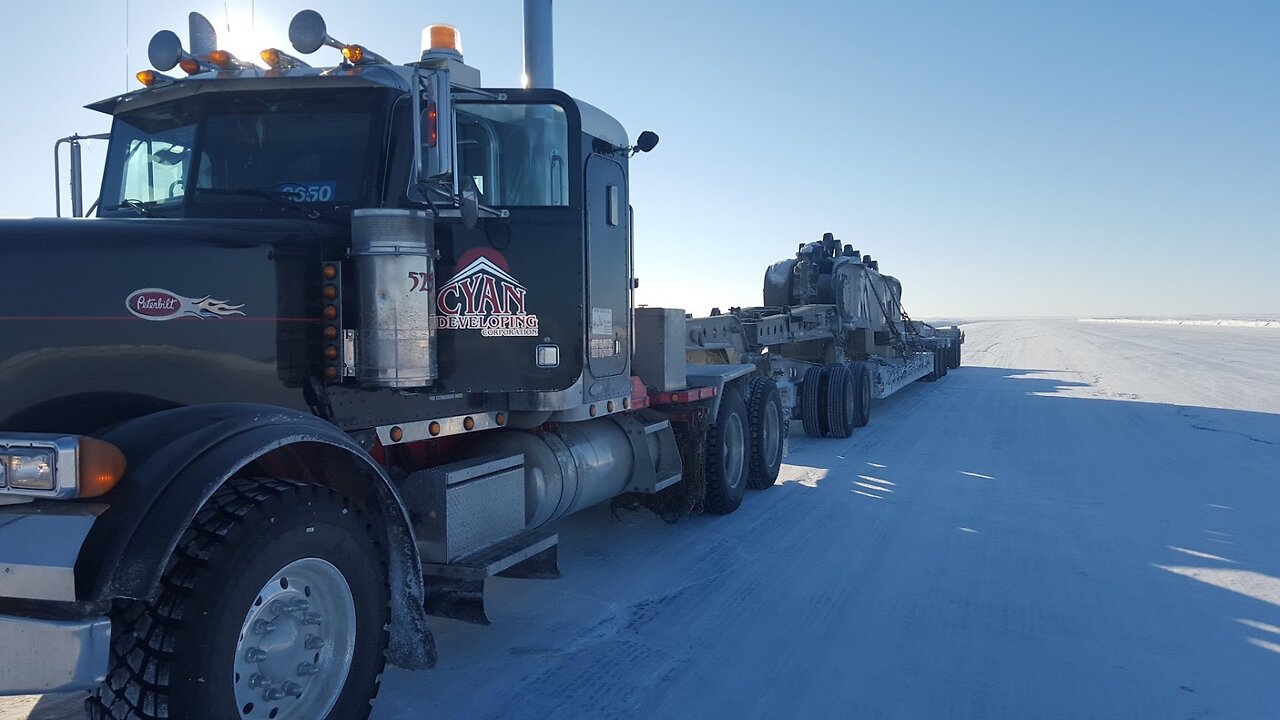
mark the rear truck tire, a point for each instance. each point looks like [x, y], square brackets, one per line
[764, 413]
[861, 393]
[273, 605]
[942, 363]
[953, 359]
[813, 411]
[840, 401]
[726, 458]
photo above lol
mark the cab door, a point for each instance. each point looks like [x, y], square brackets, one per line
[608, 311]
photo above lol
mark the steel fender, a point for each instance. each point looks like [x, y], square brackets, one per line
[179, 458]
[717, 376]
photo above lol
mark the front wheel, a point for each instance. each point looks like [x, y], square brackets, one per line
[274, 605]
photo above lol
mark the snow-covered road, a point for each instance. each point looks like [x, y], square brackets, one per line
[1081, 522]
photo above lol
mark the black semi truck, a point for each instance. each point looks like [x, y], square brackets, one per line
[342, 343]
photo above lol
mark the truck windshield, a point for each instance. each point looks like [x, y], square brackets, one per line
[226, 151]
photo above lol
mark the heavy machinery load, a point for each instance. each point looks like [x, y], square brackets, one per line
[342, 344]
[832, 334]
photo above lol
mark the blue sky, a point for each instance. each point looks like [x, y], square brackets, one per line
[1001, 158]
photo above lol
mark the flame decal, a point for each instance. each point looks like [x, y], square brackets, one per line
[207, 307]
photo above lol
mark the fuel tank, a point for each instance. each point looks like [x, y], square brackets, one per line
[107, 319]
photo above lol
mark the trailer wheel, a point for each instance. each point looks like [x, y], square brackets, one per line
[935, 373]
[841, 408]
[764, 411]
[862, 393]
[274, 605]
[726, 456]
[813, 410]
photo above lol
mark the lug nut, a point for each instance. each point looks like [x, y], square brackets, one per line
[273, 694]
[314, 642]
[289, 687]
[254, 655]
[306, 669]
[262, 627]
[284, 607]
[311, 618]
[258, 680]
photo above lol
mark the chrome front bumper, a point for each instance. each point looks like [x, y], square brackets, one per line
[47, 644]
[52, 655]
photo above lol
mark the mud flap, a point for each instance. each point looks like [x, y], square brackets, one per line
[687, 497]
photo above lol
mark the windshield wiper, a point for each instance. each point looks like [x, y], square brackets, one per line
[142, 208]
[275, 196]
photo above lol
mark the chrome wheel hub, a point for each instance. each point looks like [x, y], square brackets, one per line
[296, 644]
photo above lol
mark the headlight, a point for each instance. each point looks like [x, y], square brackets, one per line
[58, 466]
[30, 468]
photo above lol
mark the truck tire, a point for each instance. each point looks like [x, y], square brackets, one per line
[953, 359]
[840, 401]
[764, 412]
[726, 458]
[943, 363]
[861, 393]
[813, 410]
[274, 605]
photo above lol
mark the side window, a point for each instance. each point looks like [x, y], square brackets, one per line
[515, 153]
[155, 168]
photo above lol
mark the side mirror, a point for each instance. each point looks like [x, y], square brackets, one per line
[647, 141]
[165, 50]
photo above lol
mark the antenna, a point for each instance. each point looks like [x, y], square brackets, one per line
[126, 45]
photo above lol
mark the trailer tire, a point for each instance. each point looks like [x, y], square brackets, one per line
[861, 393]
[813, 411]
[953, 359]
[841, 409]
[764, 412]
[186, 654]
[934, 374]
[943, 362]
[726, 458]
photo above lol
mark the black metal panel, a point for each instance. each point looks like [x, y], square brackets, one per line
[152, 314]
[608, 311]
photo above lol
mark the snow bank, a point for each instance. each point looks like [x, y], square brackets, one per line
[1220, 322]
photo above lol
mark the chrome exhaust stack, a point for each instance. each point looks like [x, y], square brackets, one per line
[539, 64]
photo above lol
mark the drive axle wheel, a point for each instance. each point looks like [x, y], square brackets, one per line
[274, 605]
[813, 408]
[726, 458]
[953, 358]
[764, 412]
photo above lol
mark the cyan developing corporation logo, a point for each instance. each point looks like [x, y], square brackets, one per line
[484, 296]
[158, 304]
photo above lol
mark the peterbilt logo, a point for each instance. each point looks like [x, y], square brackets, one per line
[157, 304]
[484, 296]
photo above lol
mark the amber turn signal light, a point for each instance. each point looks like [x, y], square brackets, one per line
[101, 465]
